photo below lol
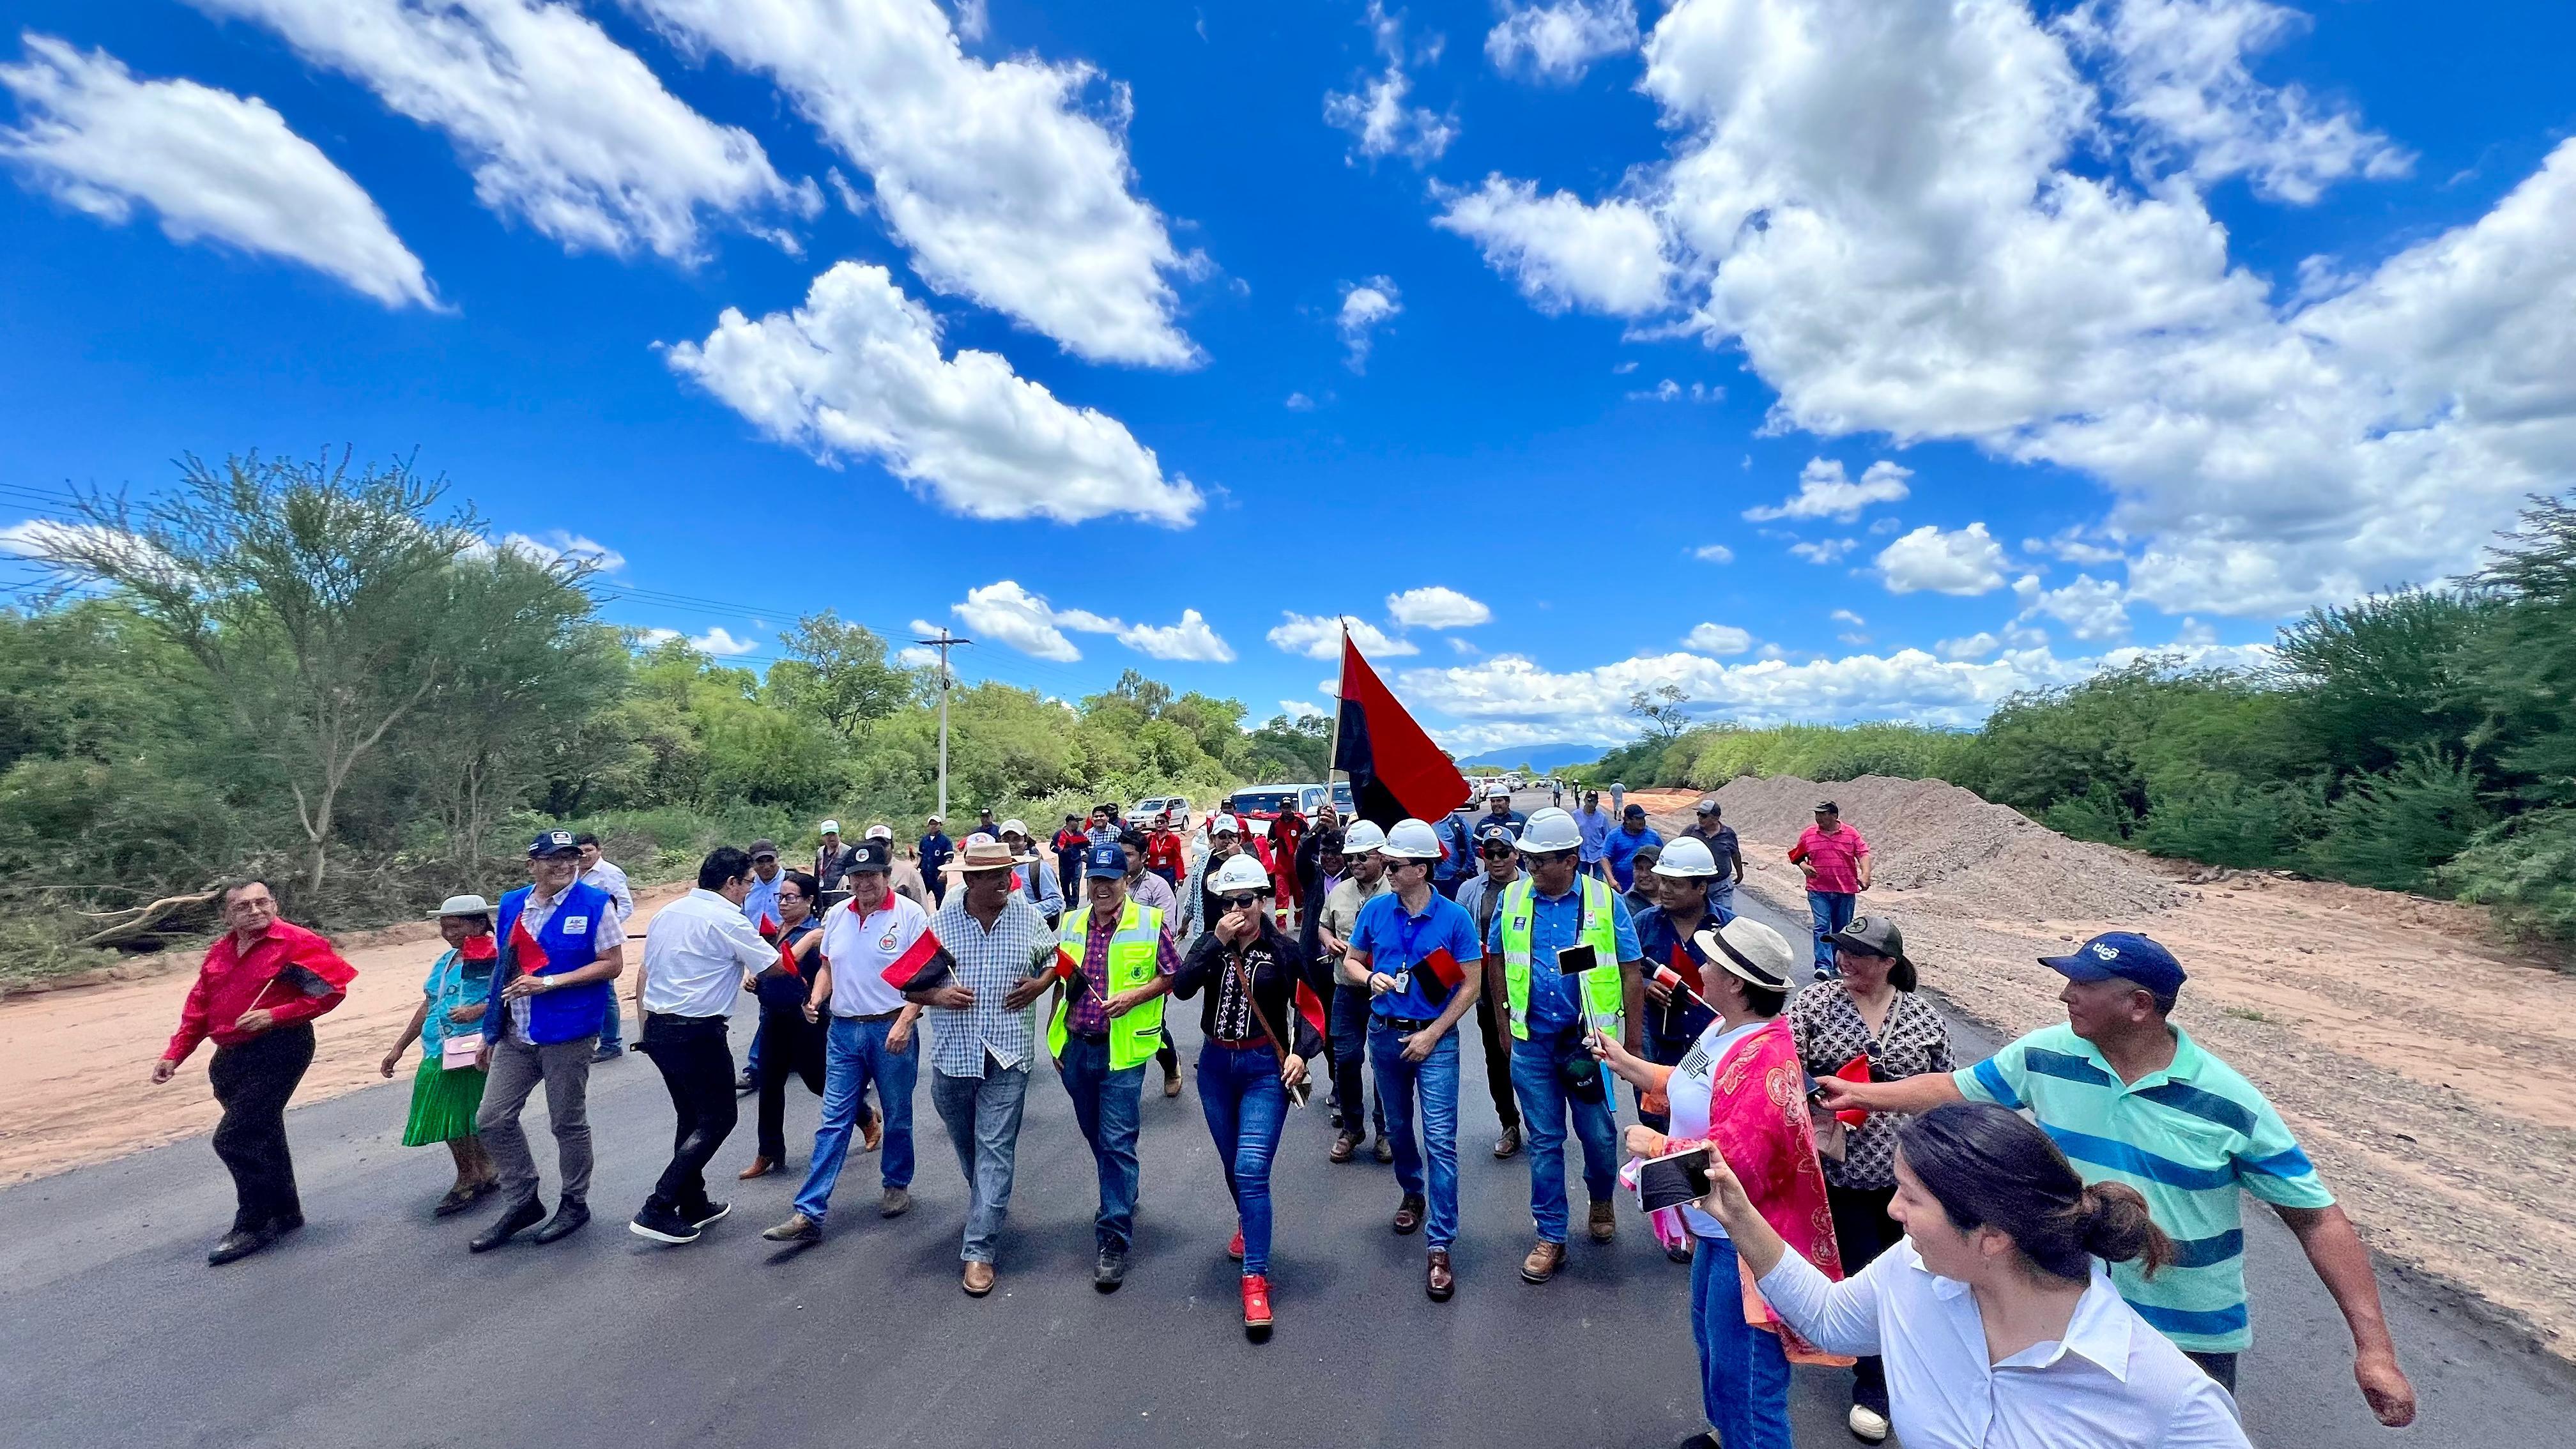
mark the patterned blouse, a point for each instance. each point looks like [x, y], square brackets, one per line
[1830, 1032]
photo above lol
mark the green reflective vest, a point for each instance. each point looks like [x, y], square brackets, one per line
[1604, 997]
[1133, 951]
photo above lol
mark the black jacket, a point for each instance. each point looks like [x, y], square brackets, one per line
[1277, 965]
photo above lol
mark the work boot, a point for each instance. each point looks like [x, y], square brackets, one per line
[896, 1202]
[1437, 1280]
[1605, 1222]
[1543, 1261]
[797, 1229]
[1110, 1270]
[509, 1225]
[1171, 1081]
[977, 1280]
[1256, 1306]
[1509, 1144]
[238, 1244]
[571, 1216]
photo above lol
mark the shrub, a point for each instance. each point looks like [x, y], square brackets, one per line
[2391, 831]
[2526, 869]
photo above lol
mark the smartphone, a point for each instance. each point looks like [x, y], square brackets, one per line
[1664, 1182]
[1574, 960]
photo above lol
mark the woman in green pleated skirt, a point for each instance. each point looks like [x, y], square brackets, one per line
[445, 1098]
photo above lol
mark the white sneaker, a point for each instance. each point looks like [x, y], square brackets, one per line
[1868, 1425]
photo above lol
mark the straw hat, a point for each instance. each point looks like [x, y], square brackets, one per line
[983, 853]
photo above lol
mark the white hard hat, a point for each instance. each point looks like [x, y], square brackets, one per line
[1240, 873]
[1498, 792]
[1410, 840]
[1550, 830]
[830, 827]
[1362, 836]
[1225, 825]
[1687, 856]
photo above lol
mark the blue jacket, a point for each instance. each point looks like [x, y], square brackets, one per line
[569, 940]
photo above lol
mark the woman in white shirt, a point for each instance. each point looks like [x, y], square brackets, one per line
[1998, 1325]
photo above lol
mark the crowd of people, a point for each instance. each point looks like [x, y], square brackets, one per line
[2043, 1247]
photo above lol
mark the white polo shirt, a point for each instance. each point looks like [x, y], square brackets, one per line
[696, 955]
[860, 948]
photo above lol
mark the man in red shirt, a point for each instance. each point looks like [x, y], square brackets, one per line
[262, 983]
[1836, 862]
[1163, 853]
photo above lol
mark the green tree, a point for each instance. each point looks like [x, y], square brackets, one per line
[837, 672]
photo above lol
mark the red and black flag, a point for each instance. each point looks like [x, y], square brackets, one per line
[1311, 1007]
[1439, 969]
[1683, 974]
[1394, 768]
[922, 967]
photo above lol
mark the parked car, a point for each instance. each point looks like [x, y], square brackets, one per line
[1145, 812]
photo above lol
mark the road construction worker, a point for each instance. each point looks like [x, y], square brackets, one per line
[1363, 879]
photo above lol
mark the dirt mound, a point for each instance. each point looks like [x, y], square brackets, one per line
[1933, 837]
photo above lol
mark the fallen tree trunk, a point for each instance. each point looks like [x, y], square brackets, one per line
[139, 922]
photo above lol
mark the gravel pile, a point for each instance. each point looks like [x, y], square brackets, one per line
[1945, 842]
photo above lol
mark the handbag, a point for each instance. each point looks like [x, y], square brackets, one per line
[1299, 1094]
[458, 1053]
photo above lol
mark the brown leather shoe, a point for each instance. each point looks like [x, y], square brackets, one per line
[872, 1133]
[1605, 1222]
[1437, 1280]
[1345, 1147]
[977, 1280]
[1509, 1143]
[1408, 1214]
[1171, 1083]
[760, 1167]
[1543, 1261]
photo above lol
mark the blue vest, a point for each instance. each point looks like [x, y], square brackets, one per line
[555, 1016]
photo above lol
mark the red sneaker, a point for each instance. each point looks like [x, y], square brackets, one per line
[1234, 1249]
[1256, 1302]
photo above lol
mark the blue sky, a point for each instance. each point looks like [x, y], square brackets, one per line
[1834, 359]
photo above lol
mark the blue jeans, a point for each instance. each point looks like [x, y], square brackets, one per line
[1437, 1077]
[854, 1054]
[983, 1117]
[1721, 896]
[612, 1023]
[1105, 1107]
[1743, 1371]
[1544, 1106]
[1246, 1106]
[1350, 1023]
[1833, 911]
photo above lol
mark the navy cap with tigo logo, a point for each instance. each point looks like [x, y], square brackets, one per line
[552, 842]
[1103, 861]
[2124, 954]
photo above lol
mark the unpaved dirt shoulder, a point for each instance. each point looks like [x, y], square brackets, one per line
[74, 1063]
[2426, 1070]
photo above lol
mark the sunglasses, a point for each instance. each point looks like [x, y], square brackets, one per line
[1242, 903]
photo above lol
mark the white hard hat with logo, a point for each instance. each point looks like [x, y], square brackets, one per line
[1550, 830]
[1362, 836]
[1686, 857]
[1410, 840]
[1225, 825]
[1240, 874]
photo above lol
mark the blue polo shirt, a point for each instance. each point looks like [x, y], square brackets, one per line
[1396, 941]
[1620, 849]
[1596, 826]
[1556, 923]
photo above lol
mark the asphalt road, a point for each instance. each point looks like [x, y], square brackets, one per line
[375, 1327]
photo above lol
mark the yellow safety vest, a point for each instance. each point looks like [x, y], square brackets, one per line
[1604, 996]
[1134, 952]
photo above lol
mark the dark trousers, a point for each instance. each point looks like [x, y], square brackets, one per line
[1863, 1228]
[1350, 1020]
[1498, 1063]
[697, 1066]
[2219, 1366]
[790, 1046]
[252, 1082]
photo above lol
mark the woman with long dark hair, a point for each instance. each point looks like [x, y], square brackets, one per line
[1998, 1325]
[790, 1046]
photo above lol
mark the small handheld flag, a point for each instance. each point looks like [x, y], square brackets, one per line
[1438, 969]
[1311, 1007]
[480, 948]
[921, 967]
[1682, 974]
[1855, 1070]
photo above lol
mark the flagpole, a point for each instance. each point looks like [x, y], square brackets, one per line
[1341, 682]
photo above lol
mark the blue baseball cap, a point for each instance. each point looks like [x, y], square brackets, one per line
[2124, 954]
[1103, 861]
[552, 842]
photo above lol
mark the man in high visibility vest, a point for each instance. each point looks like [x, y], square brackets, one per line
[1550, 1014]
[1108, 1023]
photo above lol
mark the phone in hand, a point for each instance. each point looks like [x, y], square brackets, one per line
[1670, 1181]
[1575, 960]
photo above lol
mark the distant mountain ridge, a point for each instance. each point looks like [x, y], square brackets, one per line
[1544, 757]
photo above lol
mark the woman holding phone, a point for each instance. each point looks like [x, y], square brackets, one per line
[1250, 970]
[1740, 1092]
[1998, 1324]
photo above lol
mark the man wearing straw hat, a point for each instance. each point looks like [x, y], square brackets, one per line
[979, 973]
[256, 994]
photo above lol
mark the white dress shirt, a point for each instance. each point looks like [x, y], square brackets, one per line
[612, 880]
[860, 948]
[696, 955]
[2111, 1383]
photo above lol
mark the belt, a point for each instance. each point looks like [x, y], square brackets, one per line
[1405, 1023]
[880, 1016]
[1095, 1038]
[1252, 1044]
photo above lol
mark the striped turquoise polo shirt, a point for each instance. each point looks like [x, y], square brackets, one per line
[2187, 1138]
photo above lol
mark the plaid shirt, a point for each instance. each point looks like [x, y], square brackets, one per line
[989, 963]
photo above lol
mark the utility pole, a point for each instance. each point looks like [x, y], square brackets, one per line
[945, 642]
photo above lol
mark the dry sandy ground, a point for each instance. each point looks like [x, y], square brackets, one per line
[2429, 1071]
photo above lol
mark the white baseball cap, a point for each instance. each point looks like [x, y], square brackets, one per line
[831, 827]
[1019, 827]
[880, 832]
[1225, 825]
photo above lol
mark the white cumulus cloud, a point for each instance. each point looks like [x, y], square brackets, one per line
[1719, 639]
[559, 545]
[1012, 615]
[1436, 607]
[1364, 306]
[1964, 561]
[857, 372]
[563, 128]
[1824, 550]
[1376, 114]
[1825, 492]
[1003, 180]
[212, 166]
[1321, 638]
[1559, 41]
[1562, 253]
[1716, 553]
[2091, 609]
